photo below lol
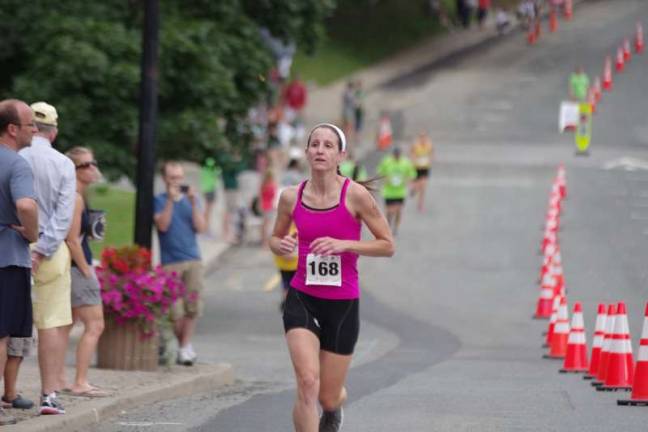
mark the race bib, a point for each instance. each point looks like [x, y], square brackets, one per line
[422, 161]
[323, 270]
[396, 180]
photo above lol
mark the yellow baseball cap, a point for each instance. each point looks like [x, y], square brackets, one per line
[45, 113]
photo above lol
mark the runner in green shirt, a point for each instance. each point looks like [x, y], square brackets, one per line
[579, 85]
[397, 172]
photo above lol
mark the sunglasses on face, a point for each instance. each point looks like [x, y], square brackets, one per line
[85, 165]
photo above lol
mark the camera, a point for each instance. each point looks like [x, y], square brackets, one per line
[184, 188]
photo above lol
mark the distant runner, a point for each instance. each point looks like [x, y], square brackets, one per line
[397, 171]
[422, 153]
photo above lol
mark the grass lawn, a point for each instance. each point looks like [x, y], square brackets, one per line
[120, 214]
[360, 34]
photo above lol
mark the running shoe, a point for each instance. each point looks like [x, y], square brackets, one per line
[6, 419]
[331, 421]
[50, 405]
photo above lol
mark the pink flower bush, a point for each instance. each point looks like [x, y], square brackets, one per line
[132, 291]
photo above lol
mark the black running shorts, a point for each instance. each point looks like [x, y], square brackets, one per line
[336, 323]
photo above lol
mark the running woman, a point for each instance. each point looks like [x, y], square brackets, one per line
[422, 154]
[321, 316]
[397, 172]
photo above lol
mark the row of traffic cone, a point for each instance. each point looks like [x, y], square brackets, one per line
[612, 366]
[623, 56]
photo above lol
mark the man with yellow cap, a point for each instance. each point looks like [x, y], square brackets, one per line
[55, 187]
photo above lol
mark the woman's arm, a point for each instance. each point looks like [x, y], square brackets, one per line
[281, 243]
[363, 204]
[73, 239]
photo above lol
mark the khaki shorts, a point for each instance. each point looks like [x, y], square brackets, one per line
[20, 347]
[51, 294]
[191, 305]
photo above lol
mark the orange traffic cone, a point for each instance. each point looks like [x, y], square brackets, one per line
[619, 60]
[531, 36]
[607, 74]
[568, 10]
[543, 307]
[559, 338]
[576, 357]
[552, 321]
[553, 21]
[639, 39]
[597, 89]
[561, 179]
[384, 133]
[620, 365]
[547, 261]
[591, 99]
[627, 51]
[640, 383]
[597, 342]
[605, 349]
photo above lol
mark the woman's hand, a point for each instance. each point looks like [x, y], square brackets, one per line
[288, 244]
[328, 246]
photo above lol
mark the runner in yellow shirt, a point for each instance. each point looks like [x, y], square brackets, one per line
[422, 154]
[287, 266]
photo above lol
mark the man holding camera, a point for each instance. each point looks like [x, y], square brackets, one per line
[178, 218]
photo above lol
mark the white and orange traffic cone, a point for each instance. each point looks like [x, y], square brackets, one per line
[639, 39]
[627, 51]
[597, 342]
[591, 99]
[597, 89]
[558, 348]
[605, 349]
[552, 321]
[543, 306]
[553, 20]
[607, 74]
[561, 179]
[576, 357]
[385, 137]
[620, 367]
[620, 64]
[640, 382]
[568, 10]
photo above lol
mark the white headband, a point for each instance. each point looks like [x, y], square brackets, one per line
[337, 130]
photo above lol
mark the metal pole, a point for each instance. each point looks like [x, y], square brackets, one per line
[147, 125]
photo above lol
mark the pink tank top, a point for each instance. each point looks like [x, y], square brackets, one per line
[337, 223]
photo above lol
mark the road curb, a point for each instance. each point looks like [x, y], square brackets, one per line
[208, 377]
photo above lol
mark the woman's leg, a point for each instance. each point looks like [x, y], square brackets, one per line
[304, 350]
[93, 326]
[421, 192]
[333, 373]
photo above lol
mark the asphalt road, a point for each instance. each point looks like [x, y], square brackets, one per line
[447, 343]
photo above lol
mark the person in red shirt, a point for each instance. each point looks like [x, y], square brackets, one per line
[294, 98]
[482, 11]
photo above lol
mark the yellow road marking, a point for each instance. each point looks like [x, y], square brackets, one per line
[272, 283]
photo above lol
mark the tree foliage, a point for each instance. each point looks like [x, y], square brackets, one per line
[84, 58]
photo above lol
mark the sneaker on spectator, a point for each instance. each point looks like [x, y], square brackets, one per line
[18, 402]
[50, 405]
[6, 419]
[192, 353]
[185, 358]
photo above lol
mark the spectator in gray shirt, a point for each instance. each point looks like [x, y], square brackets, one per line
[18, 227]
[55, 186]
